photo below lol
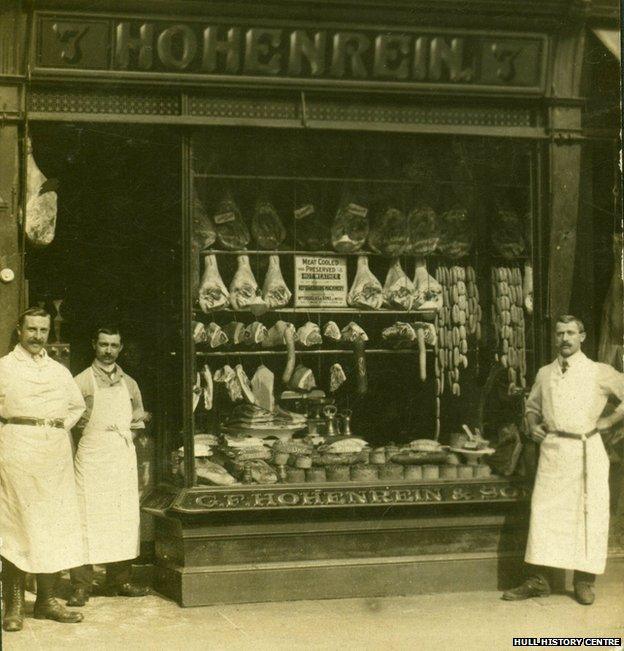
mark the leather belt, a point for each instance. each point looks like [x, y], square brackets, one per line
[58, 423]
[572, 435]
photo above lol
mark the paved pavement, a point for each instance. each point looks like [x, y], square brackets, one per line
[470, 620]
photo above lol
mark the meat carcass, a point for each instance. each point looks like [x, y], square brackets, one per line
[213, 293]
[455, 233]
[274, 290]
[507, 235]
[331, 331]
[232, 232]
[266, 226]
[366, 290]
[203, 227]
[311, 232]
[309, 334]
[398, 290]
[255, 333]
[350, 227]
[235, 331]
[215, 336]
[337, 377]
[208, 387]
[244, 291]
[262, 386]
[428, 289]
[41, 203]
[388, 234]
[283, 334]
[423, 231]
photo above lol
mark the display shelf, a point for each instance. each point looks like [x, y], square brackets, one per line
[332, 179]
[317, 351]
[286, 252]
[322, 310]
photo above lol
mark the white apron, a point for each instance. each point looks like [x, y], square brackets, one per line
[39, 516]
[106, 478]
[557, 536]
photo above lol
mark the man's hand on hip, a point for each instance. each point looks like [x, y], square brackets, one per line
[537, 433]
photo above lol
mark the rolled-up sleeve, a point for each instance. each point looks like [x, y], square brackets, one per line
[534, 401]
[612, 385]
[75, 403]
[138, 413]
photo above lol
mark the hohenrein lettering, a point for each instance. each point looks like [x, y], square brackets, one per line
[271, 51]
[263, 499]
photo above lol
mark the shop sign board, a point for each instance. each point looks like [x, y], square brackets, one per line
[193, 50]
[270, 498]
[320, 281]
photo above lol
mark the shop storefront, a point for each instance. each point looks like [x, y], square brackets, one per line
[335, 237]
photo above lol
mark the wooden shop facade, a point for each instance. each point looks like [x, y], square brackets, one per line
[201, 148]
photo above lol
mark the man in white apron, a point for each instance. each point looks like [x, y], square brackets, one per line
[39, 515]
[569, 524]
[106, 472]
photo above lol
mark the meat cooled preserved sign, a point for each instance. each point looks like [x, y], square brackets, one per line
[320, 281]
[192, 50]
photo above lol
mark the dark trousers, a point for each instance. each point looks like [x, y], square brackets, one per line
[117, 574]
[543, 573]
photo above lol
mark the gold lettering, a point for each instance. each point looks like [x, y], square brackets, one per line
[421, 51]
[234, 500]
[143, 43]
[264, 499]
[312, 498]
[432, 495]
[461, 493]
[349, 46]
[451, 57]
[207, 501]
[182, 34]
[390, 56]
[382, 496]
[356, 497]
[488, 492]
[302, 46]
[509, 491]
[260, 54]
[213, 47]
[288, 499]
[335, 498]
[403, 496]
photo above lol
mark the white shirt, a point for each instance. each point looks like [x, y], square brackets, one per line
[573, 401]
[38, 387]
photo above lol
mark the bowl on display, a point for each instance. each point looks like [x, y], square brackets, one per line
[473, 457]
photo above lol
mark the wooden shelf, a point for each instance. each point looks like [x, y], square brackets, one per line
[322, 310]
[333, 179]
[369, 254]
[313, 351]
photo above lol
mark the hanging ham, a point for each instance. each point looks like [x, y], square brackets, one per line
[213, 293]
[310, 231]
[388, 234]
[244, 291]
[428, 289]
[423, 231]
[455, 233]
[274, 290]
[366, 291]
[232, 232]
[507, 234]
[203, 227]
[398, 291]
[266, 226]
[350, 227]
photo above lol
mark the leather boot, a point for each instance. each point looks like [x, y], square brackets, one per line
[47, 607]
[13, 587]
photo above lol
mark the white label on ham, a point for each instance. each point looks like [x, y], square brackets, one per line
[225, 217]
[304, 211]
[357, 210]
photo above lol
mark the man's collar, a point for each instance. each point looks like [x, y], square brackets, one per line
[23, 355]
[578, 358]
[116, 370]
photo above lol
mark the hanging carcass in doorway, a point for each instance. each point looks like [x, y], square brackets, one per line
[41, 203]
